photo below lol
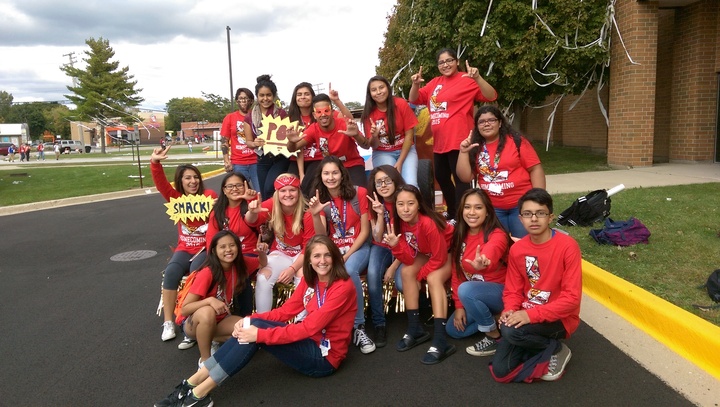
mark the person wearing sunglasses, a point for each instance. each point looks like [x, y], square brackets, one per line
[333, 136]
[450, 98]
[238, 156]
[503, 163]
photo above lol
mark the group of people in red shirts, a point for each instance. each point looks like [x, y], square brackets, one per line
[315, 221]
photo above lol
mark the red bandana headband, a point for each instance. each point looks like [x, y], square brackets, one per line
[287, 180]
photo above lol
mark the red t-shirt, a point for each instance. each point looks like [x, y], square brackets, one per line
[191, 235]
[495, 250]
[405, 119]
[509, 179]
[450, 101]
[423, 237]
[334, 143]
[204, 287]
[333, 320]
[233, 128]
[289, 243]
[349, 219]
[545, 280]
[235, 222]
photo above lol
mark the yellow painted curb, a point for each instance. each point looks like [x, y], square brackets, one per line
[686, 334]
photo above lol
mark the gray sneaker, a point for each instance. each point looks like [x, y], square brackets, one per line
[558, 361]
[485, 347]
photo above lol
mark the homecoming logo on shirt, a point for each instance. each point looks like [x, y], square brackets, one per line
[435, 105]
[412, 242]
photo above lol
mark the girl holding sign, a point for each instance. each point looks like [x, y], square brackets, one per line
[188, 254]
[269, 165]
[344, 209]
[420, 238]
[292, 227]
[314, 347]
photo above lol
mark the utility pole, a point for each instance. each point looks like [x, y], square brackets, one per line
[71, 58]
[232, 95]
[318, 88]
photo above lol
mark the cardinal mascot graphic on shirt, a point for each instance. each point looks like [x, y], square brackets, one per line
[436, 106]
[534, 295]
[412, 242]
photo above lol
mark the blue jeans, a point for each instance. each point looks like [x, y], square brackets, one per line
[303, 356]
[380, 259]
[269, 167]
[510, 219]
[481, 301]
[358, 262]
[409, 167]
[250, 172]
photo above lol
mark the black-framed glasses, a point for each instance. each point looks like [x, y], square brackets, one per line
[385, 181]
[230, 187]
[447, 61]
[538, 214]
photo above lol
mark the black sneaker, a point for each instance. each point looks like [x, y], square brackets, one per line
[380, 336]
[192, 401]
[362, 341]
[177, 395]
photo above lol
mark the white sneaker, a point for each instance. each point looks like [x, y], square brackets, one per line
[186, 343]
[168, 331]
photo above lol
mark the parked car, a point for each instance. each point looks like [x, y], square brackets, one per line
[4, 148]
[68, 146]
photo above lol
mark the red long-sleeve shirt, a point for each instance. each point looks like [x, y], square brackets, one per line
[423, 237]
[191, 234]
[545, 280]
[336, 317]
[495, 250]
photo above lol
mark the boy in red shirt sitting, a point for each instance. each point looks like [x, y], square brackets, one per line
[541, 299]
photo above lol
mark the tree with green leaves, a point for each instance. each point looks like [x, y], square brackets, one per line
[528, 50]
[6, 100]
[102, 90]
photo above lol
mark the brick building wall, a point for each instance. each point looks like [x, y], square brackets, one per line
[694, 111]
[663, 95]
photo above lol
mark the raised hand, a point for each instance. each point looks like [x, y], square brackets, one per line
[471, 72]
[333, 94]
[248, 194]
[315, 206]
[417, 78]
[293, 134]
[376, 205]
[374, 130]
[352, 128]
[390, 238]
[159, 154]
[255, 207]
[467, 144]
[480, 261]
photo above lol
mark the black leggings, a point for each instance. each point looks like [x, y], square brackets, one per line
[445, 171]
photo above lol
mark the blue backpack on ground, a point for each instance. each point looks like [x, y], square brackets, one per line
[622, 233]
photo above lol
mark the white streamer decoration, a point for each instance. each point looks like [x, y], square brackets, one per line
[482, 32]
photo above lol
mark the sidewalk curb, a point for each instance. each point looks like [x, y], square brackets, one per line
[684, 333]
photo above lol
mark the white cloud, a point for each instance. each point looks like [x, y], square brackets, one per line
[179, 48]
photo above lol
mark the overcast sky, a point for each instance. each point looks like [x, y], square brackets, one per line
[178, 48]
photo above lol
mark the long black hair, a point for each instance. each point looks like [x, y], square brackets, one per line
[223, 202]
[505, 130]
[371, 105]
[462, 229]
[212, 261]
[422, 208]
[347, 190]
[294, 110]
[393, 174]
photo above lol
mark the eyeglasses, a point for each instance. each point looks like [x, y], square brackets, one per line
[538, 214]
[230, 187]
[447, 61]
[323, 112]
[243, 99]
[483, 122]
[385, 181]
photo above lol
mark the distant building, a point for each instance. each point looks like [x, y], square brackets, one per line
[14, 133]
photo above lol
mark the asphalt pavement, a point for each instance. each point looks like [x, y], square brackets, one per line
[80, 329]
